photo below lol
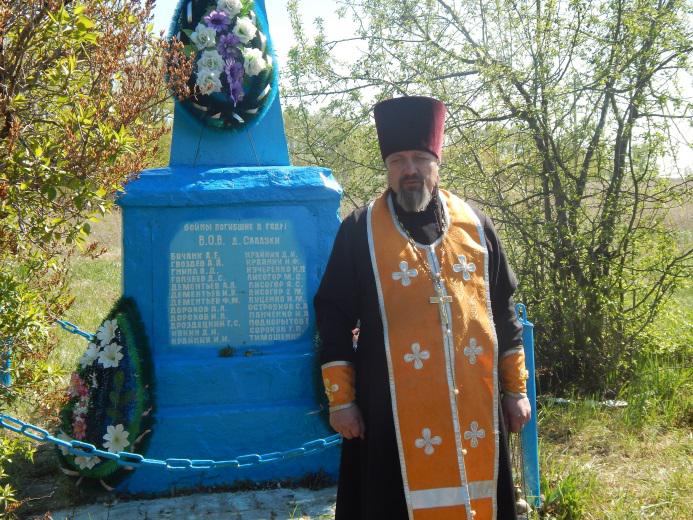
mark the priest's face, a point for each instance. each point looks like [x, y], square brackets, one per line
[412, 175]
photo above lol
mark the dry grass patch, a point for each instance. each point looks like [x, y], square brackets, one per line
[606, 470]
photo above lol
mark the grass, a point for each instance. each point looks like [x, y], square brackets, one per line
[596, 463]
[660, 393]
[95, 283]
[96, 286]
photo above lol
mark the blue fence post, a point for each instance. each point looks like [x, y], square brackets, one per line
[530, 433]
[6, 362]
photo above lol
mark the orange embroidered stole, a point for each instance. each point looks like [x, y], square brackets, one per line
[442, 360]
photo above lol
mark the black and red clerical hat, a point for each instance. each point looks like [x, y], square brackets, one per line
[410, 123]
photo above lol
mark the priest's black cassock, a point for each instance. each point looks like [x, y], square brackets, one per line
[370, 480]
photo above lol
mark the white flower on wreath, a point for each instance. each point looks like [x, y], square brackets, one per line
[107, 331]
[89, 356]
[230, 7]
[211, 60]
[245, 29]
[253, 62]
[111, 355]
[86, 462]
[63, 437]
[203, 37]
[116, 438]
[82, 406]
[208, 81]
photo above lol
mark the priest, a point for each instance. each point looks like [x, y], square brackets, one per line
[423, 394]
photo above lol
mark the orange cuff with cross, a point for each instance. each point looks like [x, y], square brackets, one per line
[338, 378]
[513, 374]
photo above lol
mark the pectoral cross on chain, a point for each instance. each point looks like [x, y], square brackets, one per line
[442, 300]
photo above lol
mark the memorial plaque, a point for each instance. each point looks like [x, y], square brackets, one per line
[236, 282]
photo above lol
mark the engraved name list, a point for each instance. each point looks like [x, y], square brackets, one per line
[236, 283]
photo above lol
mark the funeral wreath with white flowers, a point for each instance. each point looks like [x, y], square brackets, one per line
[233, 79]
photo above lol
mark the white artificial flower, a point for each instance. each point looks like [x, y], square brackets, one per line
[107, 331]
[87, 462]
[91, 354]
[253, 62]
[110, 356]
[208, 81]
[82, 406]
[116, 438]
[63, 437]
[204, 36]
[245, 29]
[211, 60]
[230, 7]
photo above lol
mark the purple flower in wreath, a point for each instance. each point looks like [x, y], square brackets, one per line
[234, 75]
[236, 93]
[217, 20]
[227, 46]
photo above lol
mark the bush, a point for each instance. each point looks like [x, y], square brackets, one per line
[82, 109]
[11, 449]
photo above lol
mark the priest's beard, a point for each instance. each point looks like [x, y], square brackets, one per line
[416, 199]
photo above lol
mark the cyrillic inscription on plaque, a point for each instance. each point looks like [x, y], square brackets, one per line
[236, 282]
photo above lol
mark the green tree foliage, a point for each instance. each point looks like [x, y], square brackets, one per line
[82, 109]
[560, 114]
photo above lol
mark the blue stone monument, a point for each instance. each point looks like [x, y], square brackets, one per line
[223, 251]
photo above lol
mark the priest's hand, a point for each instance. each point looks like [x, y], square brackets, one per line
[348, 422]
[517, 412]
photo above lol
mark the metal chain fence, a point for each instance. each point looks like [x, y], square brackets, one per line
[135, 460]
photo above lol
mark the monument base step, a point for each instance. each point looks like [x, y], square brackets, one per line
[225, 433]
[247, 505]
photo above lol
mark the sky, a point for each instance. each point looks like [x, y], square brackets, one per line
[280, 28]
[282, 39]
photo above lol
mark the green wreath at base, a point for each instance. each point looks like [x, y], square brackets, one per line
[110, 396]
